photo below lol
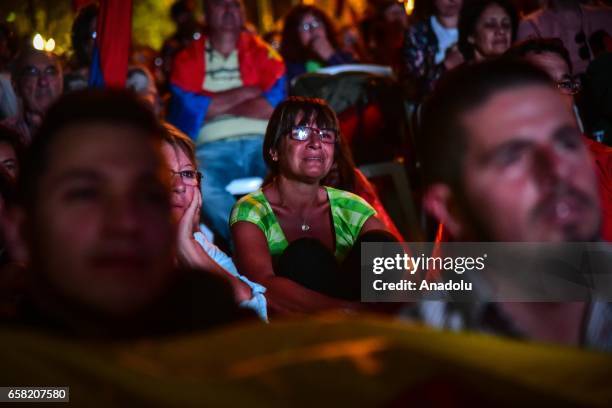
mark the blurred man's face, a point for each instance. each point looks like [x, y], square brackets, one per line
[101, 232]
[41, 82]
[225, 15]
[527, 175]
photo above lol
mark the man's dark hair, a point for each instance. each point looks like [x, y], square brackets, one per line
[111, 107]
[540, 46]
[468, 18]
[442, 137]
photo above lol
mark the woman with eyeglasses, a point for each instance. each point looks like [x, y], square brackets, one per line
[487, 28]
[194, 250]
[295, 236]
[310, 41]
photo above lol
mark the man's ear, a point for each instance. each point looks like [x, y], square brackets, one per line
[440, 202]
[471, 40]
[14, 227]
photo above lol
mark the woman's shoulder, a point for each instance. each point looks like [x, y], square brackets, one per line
[250, 207]
[347, 200]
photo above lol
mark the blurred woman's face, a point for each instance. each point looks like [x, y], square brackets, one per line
[492, 34]
[182, 190]
[310, 28]
[310, 159]
[447, 8]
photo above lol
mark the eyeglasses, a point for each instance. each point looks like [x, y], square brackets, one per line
[188, 177]
[569, 86]
[303, 133]
[313, 25]
[583, 51]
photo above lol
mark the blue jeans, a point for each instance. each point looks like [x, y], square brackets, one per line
[221, 162]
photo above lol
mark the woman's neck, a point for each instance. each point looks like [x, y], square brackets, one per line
[296, 194]
[448, 21]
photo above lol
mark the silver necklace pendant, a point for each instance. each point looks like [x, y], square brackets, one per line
[305, 227]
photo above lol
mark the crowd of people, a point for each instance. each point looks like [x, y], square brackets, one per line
[116, 216]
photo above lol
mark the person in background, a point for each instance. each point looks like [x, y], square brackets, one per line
[299, 239]
[83, 37]
[140, 80]
[383, 31]
[310, 42]
[11, 152]
[572, 22]
[430, 45]
[188, 29]
[94, 222]
[224, 87]
[8, 49]
[38, 82]
[194, 250]
[551, 56]
[487, 28]
[352, 43]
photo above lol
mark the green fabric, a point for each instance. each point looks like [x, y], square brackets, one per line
[313, 66]
[331, 361]
[349, 213]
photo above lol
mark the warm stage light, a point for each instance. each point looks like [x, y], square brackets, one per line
[39, 42]
[409, 6]
[50, 45]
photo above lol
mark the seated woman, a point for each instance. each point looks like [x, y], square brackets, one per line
[487, 28]
[310, 42]
[194, 250]
[298, 238]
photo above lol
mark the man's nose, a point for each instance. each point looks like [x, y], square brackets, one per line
[551, 166]
[122, 216]
[42, 81]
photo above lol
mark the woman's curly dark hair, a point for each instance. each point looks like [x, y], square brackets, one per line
[291, 47]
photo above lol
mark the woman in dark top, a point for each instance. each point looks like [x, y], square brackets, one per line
[487, 28]
[310, 42]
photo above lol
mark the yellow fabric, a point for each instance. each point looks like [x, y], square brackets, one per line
[325, 361]
[222, 74]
